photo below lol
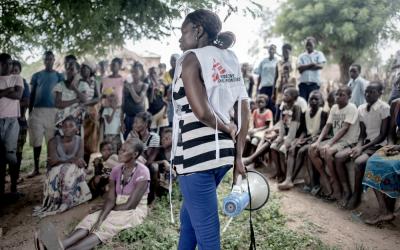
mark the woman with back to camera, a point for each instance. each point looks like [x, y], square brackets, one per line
[207, 86]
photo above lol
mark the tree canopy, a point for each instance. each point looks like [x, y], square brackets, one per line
[90, 25]
[343, 28]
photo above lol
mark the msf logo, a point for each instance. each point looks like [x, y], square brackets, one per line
[218, 70]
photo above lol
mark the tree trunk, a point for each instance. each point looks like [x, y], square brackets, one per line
[344, 64]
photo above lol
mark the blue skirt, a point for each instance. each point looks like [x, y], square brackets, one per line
[383, 174]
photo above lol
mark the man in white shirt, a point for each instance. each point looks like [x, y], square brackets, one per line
[357, 85]
[310, 64]
[374, 119]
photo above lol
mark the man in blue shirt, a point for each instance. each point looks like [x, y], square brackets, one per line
[357, 85]
[267, 72]
[310, 64]
[42, 109]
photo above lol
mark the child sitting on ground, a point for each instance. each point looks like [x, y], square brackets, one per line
[288, 129]
[374, 119]
[101, 167]
[163, 163]
[262, 120]
[315, 119]
[343, 119]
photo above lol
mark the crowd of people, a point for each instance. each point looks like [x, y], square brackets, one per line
[110, 135]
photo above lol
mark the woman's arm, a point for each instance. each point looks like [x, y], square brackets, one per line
[135, 197]
[197, 96]
[241, 138]
[109, 204]
[60, 104]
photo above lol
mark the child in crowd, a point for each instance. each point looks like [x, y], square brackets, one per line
[112, 120]
[163, 163]
[151, 141]
[262, 119]
[343, 119]
[374, 119]
[315, 119]
[288, 129]
[101, 168]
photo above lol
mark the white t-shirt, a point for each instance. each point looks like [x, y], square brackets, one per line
[112, 128]
[300, 101]
[337, 117]
[373, 119]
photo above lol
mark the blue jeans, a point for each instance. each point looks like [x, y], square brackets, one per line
[306, 88]
[199, 212]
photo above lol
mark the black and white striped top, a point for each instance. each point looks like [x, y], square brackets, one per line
[196, 147]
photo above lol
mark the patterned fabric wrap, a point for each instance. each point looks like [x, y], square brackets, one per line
[383, 174]
[64, 187]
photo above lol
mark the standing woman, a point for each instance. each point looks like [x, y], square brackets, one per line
[207, 84]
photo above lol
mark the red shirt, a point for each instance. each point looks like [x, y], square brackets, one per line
[260, 119]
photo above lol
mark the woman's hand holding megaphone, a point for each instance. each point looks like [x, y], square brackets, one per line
[239, 169]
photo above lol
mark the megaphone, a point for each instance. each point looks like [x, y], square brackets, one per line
[255, 186]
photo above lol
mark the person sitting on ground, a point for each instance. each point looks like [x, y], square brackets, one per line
[112, 120]
[374, 120]
[65, 185]
[343, 119]
[151, 140]
[70, 95]
[163, 162]
[23, 124]
[288, 131]
[262, 119]
[134, 97]
[382, 175]
[125, 206]
[100, 169]
[315, 119]
[357, 85]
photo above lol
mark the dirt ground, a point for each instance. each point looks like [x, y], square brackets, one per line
[305, 213]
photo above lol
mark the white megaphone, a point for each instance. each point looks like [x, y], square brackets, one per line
[251, 194]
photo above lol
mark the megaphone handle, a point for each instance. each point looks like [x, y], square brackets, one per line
[239, 180]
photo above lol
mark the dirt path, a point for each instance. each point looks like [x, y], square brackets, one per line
[305, 213]
[335, 226]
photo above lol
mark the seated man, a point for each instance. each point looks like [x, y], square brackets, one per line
[315, 119]
[288, 129]
[374, 119]
[343, 119]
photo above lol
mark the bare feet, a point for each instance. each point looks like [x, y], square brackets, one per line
[344, 200]
[33, 173]
[286, 185]
[379, 219]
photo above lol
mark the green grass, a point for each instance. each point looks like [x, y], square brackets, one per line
[269, 225]
[27, 158]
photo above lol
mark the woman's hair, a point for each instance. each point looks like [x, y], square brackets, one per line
[146, 117]
[212, 25]
[136, 144]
